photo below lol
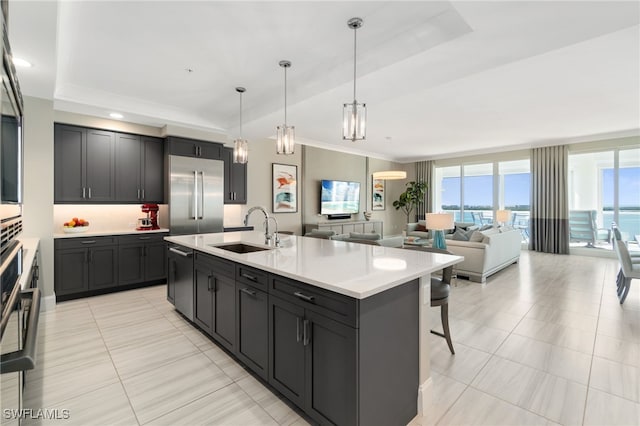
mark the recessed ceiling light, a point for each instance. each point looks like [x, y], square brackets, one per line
[116, 115]
[18, 62]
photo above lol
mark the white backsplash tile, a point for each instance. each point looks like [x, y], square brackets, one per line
[105, 217]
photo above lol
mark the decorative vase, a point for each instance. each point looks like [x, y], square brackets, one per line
[367, 215]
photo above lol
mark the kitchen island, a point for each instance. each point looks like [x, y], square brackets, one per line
[340, 329]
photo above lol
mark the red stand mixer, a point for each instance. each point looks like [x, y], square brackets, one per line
[151, 221]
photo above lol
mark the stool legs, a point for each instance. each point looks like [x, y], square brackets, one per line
[444, 316]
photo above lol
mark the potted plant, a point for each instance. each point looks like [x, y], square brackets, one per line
[412, 197]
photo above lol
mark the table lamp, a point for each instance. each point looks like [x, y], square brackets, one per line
[438, 222]
[503, 216]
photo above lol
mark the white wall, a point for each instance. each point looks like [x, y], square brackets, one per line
[38, 183]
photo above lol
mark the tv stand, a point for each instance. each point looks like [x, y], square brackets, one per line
[348, 226]
[339, 216]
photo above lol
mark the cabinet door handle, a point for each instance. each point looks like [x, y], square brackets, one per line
[247, 291]
[249, 277]
[306, 333]
[86, 256]
[138, 193]
[304, 297]
[144, 238]
[89, 192]
[212, 283]
[180, 252]
[88, 242]
[298, 336]
[84, 190]
[90, 256]
[143, 194]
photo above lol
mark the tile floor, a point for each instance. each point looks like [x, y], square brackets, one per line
[543, 342]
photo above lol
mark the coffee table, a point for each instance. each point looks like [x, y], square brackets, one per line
[421, 242]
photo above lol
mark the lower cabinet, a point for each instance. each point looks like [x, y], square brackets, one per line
[141, 258]
[252, 328]
[313, 362]
[214, 305]
[85, 264]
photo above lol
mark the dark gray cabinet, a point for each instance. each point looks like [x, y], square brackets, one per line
[139, 169]
[252, 328]
[313, 362]
[235, 180]
[85, 264]
[185, 147]
[98, 166]
[141, 258]
[84, 165]
[214, 307]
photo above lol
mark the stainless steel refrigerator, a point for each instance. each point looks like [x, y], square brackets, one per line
[196, 188]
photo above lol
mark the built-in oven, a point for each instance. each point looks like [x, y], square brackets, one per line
[20, 311]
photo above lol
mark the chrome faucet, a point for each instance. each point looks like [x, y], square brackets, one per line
[267, 235]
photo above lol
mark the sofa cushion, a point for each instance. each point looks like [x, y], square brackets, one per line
[464, 225]
[485, 227]
[364, 236]
[476, 237]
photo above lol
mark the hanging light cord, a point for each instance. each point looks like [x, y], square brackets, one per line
[240, 115]
[285, 96]
[355, 29]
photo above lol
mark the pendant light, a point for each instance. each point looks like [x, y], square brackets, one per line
[286, 142]
[354, 114]
[240, 146]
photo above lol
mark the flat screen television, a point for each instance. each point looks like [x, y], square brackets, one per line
[339, 198]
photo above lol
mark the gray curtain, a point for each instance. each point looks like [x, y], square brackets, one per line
[424, 173]
[549, 200]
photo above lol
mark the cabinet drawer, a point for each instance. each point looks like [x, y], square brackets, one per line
[218, 265]
[251, 276]
[143, 238]
[83, 242]
[336, 306]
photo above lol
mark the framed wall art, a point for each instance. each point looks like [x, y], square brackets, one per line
[285, 188]
[377, 194]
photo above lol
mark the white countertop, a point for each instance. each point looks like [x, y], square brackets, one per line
[356, 270]
[90, 233]
[29, 248]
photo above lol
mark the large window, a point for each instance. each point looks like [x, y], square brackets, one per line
[473, 192]
[609, 183]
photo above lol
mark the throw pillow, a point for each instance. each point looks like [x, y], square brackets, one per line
[476, 237]
[364, 236]
[463, 225]
[420, 227]
[460, 235]
[485, 227]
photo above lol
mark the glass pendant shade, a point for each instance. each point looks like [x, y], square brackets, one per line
[286, 139]
[240, 151]
[286, 135]
[240, 146]
[354, 121]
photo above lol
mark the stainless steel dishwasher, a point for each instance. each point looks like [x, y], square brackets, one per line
[180, 280]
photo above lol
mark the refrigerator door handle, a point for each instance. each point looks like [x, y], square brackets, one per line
[195, 195]
[202, 197]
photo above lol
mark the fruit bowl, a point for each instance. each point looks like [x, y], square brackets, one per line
[75, 230]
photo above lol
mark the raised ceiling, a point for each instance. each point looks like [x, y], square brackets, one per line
[439, 78]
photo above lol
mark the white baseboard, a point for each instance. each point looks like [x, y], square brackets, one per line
[425, 396]
[48, 303]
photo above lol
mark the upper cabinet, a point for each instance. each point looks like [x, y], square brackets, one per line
[84, 165]
[194, 148]
[235, 180]
[98, 166]
[139, 169]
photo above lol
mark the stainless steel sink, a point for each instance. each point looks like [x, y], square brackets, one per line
[240, 247]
